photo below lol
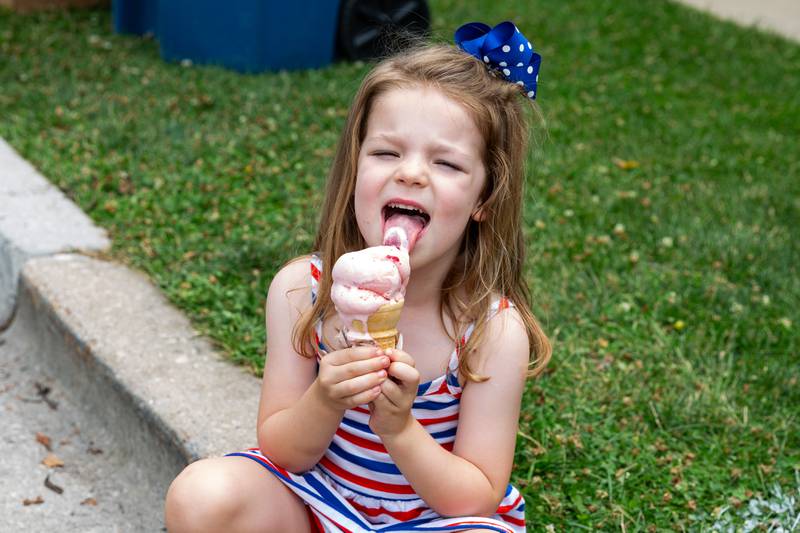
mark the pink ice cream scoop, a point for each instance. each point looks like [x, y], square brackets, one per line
[368, 292]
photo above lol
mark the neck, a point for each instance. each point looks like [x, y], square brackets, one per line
[424, 290]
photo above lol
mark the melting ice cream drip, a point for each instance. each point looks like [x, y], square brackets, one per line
[396, 236]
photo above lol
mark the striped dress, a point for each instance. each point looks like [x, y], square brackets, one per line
[356, 487]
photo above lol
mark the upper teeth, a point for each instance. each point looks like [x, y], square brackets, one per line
[407, 207]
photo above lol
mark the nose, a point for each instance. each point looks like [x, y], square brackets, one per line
[412, 172]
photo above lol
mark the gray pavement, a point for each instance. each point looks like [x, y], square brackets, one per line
[96, 488]
[776, 16]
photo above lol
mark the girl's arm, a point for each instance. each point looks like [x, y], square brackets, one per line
[472, 480]
[300, 408]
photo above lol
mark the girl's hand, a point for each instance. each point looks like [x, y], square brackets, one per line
[352, 376]
[391, 410]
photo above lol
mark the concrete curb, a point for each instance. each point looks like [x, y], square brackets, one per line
[35, 219]
[126, 354]
[135, 362]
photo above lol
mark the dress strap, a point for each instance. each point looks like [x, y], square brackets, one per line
[316, 273]
[497, 305]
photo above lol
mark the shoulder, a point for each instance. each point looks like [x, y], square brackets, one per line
[504, 345]
[292, 284]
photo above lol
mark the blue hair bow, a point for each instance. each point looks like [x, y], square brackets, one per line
[502, 48]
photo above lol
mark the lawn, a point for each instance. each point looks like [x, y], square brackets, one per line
[661, 220]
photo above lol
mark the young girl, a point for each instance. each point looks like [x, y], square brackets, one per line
[419, 439]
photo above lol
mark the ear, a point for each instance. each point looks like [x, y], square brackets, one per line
[478, 215]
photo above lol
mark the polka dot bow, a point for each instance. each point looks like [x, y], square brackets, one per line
[502, 48]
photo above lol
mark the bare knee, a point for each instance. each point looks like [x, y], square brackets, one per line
[231, 494]
[202, 498]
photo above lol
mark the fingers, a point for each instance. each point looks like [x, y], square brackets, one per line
[408, 375]
[358, 384]
[392, 392]
[382, 402]
[368, 396]
[348, 355]
[400, 356]
[404, 390]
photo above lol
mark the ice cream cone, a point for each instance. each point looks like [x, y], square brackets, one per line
[382, 325]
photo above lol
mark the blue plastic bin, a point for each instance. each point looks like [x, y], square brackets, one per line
[245, 35]
[135, 16]
[249, 35]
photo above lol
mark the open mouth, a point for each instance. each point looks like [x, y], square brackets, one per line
[412, 219]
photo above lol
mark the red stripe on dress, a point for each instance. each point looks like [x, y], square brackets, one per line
[398, 515]
[431, 421]
[365, 482]
[334, 522]
[260, 457]
[512, 520]
[375, 446]
[316, 525]
[361, 442]
[443, 389]
[506, 508]
[423, 421]
[315, 273]
[503, 304]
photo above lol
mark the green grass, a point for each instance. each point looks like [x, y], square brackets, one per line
[669, 290]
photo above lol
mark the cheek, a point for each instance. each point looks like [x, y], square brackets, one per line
[365, 202]
[459, 200]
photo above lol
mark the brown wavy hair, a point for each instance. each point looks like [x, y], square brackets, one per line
[494, 247]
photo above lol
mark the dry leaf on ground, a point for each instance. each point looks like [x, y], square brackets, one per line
[52, 461]
[44, 440]
[89, 501]
[35, 501]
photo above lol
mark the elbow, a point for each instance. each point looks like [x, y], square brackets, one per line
[293, 464]
[462, 508]
[293, 461]
[483, 505]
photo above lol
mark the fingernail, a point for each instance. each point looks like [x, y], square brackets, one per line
[385, 360]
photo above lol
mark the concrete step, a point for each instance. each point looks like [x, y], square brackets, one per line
[127, 362]
[133, 363]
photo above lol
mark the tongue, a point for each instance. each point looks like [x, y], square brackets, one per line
[401, 228]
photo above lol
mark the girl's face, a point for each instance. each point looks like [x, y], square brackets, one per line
[422, 150]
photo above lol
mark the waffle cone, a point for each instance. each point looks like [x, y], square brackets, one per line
[382, 325]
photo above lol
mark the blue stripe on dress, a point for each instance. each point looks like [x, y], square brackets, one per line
[444, 434]
[357, 425]
[335, 500]
[375, 466]
[435, 406]
[452, 380]
[365, 428]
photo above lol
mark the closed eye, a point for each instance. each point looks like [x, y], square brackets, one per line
[450, 165]
[386, 153]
